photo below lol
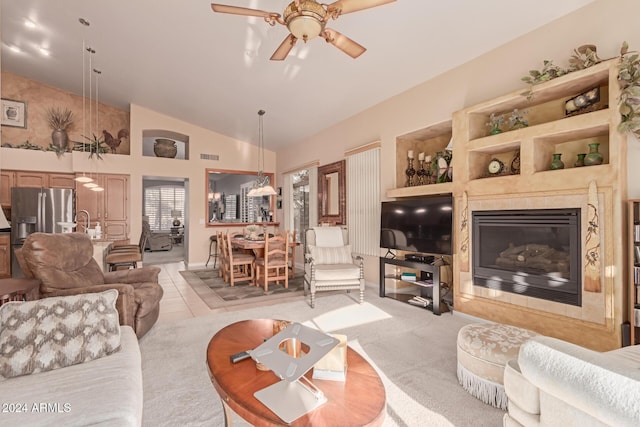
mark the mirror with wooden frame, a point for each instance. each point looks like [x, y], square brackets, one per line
[332, 200]
[227, 202]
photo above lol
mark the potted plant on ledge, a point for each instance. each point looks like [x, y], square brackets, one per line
[59, 120]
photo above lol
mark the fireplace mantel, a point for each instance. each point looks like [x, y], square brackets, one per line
[597, 323]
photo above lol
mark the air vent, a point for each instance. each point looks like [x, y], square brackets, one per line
[209, 157]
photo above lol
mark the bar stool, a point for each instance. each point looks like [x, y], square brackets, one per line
[213, 252]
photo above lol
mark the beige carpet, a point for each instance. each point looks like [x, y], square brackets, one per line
[413, 350]
[216, 293]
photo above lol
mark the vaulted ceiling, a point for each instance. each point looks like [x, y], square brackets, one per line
[213, 70]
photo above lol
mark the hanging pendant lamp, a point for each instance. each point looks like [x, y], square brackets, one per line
[261, 186]
[84, 178]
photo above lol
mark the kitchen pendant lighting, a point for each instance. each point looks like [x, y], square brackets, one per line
[261, 186]
[84, 178]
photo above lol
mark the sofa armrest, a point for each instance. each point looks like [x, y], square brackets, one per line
[599, 384]
[133, 276]
[125, 304]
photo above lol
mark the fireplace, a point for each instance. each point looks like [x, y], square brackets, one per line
[529, 252]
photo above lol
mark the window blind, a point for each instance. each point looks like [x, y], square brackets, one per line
[159, 201]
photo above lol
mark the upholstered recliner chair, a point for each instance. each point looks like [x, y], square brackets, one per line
[64, 264]
[329, 263]
[156, 241]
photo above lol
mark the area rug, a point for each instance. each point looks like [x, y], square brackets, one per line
[216, 293]
[413, 351]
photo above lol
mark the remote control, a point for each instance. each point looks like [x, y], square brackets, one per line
[235, 358]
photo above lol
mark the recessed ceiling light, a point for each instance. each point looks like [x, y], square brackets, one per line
[29, 23]
[44, 51]
[14, 48]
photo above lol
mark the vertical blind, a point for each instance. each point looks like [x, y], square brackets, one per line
[159, 201]
[363, 200]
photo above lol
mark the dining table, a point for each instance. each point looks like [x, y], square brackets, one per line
[257, 247]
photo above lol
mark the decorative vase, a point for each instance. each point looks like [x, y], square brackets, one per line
[556, 163]
[580, 161]
[60, 139]
[594, 157]
[496, 129]
[165, 148]
[410, 172]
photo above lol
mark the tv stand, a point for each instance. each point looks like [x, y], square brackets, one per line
[425, 287]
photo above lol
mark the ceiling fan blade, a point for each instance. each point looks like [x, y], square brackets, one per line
[343, 43]
[285, 47]
[223, 8]
[348, 6]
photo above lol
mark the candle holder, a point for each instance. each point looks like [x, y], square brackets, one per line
[422, 173]
[410, 172]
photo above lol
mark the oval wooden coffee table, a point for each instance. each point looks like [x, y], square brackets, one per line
[358, 401]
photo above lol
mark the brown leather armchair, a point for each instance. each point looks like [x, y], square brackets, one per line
[64, 264]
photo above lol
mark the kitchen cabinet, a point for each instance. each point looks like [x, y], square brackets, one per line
[43, 180]
[7, 179]
[110, 207]
[5, 256]
[61, 180]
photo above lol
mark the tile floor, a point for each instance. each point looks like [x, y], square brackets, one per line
[179, 301]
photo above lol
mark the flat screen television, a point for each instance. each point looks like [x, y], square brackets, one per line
[420, 225]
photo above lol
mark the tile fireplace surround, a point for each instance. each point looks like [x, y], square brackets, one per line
[592, 324]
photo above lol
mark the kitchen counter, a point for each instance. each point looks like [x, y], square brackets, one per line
[100, 250]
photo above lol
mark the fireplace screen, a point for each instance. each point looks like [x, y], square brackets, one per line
[529, 252]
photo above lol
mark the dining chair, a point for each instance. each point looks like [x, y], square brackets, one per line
[241, 266]
[224, 259]
[274, 266]
[292, 255]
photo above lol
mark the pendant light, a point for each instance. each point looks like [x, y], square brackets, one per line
[84, 178]
[261, 186]
[97, 73]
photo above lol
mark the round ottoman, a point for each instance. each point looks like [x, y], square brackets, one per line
[483, 351]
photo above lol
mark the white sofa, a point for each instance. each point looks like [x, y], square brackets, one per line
[556, 383]
[105, 391]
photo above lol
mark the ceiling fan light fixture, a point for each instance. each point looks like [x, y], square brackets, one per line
[305, 27]
[305, 20]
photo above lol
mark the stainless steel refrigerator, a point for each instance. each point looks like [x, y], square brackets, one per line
[38, 210]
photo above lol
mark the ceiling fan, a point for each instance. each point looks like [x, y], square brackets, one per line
[306, 19]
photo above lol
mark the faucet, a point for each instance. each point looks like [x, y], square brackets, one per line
[88, 224]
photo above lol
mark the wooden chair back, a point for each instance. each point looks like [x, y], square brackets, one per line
[274, 266]
[241, 265]
[292, 255]
[224, 259]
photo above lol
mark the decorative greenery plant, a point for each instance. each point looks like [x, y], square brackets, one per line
[629, 80]
[93, 147]
[59, 119]
[548, 72]
[583, 57]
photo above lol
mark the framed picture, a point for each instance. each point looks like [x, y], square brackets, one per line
[14, 113]
[278, 204]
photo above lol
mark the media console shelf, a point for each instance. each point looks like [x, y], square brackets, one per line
[427, 285]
